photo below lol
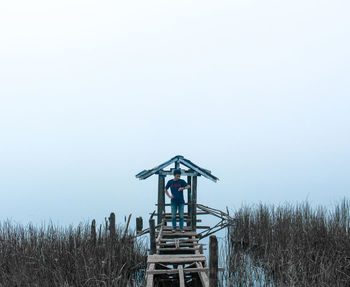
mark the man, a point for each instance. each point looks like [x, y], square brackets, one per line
[177, 187]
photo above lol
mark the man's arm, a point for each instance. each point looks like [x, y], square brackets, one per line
[186, 187]
[167, 193]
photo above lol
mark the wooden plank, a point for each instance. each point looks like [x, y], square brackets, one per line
[174, 271]
[175, 249]
[202, 275]
[178, 234]
[147, 173]
[196, 168]
[185, 219]
[150, 276]
[175, 259]
[181, 276]
[159, 236]
[180, 244]
[180, 239]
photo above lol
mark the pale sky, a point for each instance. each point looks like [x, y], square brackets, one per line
[93, 92]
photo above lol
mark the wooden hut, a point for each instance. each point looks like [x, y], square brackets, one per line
[189, 169]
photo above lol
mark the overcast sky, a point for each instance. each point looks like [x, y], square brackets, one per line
[93, 92]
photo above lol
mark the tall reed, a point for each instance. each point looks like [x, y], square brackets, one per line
[289, 245]
[72, 256]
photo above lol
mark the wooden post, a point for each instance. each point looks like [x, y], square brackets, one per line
[194, 203]
[139, 224]
[112, 226]
[213, 261]
[93, 232]
[152, 235]
[189, 200]
[161, 197]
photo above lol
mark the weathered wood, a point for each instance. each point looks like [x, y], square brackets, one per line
[152, 236]
[112, 226]
[178, 248]
[173, 259]
[189, 200]
[169, 219]
[194, 203]
[204, 172]
[180, 240]
[179, 159]
[177, 164]
[150, 276]
[177, 244]
[213, 261]
[161, 197]
[202, 275]
[175, 271]
[183, 172]
[181, 275]
[139, 224]
[178, 234]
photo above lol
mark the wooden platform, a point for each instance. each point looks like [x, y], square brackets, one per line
[178, 261]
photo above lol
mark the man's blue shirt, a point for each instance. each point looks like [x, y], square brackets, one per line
[174, 187]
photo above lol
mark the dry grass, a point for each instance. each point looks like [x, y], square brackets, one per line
[290, 245]
[73, 256]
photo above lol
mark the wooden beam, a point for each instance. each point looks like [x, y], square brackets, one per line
[177, 164]
[196, 168]
[194, 203]
[213, 261]
[183, 172]
[202, 275]
[150, 276]
[189, 200]
[152, 236]
[161, 197]
[181, 275]
[168, 204]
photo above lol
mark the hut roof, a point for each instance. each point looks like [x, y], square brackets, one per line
[180, 160]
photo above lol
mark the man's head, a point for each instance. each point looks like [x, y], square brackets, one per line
[177, 174]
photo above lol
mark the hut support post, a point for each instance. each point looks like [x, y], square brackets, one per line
[194, 203]
[189, 200]
[161, 198]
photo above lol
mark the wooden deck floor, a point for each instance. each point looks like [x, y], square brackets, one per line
[179, 260]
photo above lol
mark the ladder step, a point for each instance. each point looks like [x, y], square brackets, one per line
[185, 219]
[179, 240]
[176, 258]
[179, 249]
